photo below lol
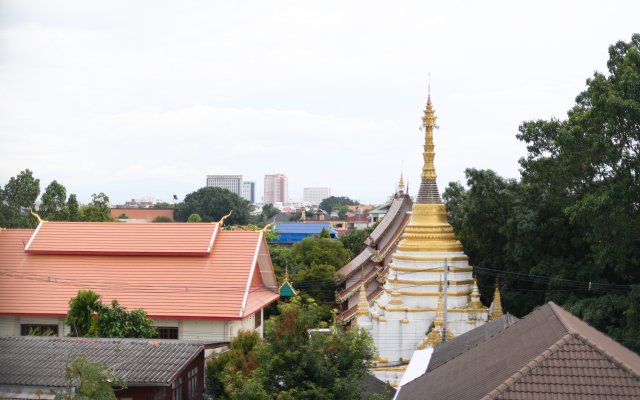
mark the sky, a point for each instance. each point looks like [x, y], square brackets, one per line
[146, 98]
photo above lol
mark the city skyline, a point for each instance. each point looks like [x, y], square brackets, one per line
[335, 100]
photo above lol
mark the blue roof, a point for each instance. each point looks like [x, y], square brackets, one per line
[297, 227]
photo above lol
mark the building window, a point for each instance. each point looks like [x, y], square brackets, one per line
[192, 383]
[38, 329]
[167, 333]
[161, 395]
[176, 388]
[258, 319]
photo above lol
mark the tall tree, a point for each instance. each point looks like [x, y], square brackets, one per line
[21, 192]
[213, 203]
[98, 210]
[54, 203]
[81, 310]
[333, 202]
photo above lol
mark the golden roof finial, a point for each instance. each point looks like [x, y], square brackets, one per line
[267, 227]
[429, 122]
[223, 218]
[497, 303]
[40, 220]
[395, 295]
[363, 303]
[401, 184]
[286, 271]
[475, 295]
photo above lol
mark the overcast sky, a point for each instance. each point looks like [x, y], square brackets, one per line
[147, 98]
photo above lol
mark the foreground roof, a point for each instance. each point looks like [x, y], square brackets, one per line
[122, 239]
[549, 354]
[235, 280]
[41, 361]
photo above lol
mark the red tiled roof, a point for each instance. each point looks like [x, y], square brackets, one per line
[354, 264]
[142, 213]
[238, 273]
[549, 354]
[122, 238]
[345, 316]
[348, 290]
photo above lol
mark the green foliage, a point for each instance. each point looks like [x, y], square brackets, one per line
[125, 216]
[334, 203]
[573, 215]
[37, 332]
[194, 218]
[117, 322]
[295, 364]
[354, 241]
[81, 310]
[316, 250]
[73, 209]
[98, 210]
[268, 211]
[21, 192]
[92, 380]
[324, 234]
[213, 203]
[162, 205]
[162, 218]
[221, 370]
[54, 203]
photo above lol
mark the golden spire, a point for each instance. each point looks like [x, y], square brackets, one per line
[497, 303]
[401, 184]
[395, 295]
[440, 310]
[286, 271]
[429, 122]
[435, 336]
[475, 295]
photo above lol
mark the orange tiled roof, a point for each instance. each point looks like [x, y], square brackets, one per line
[193, 239]
[142, 213]
[235, 280]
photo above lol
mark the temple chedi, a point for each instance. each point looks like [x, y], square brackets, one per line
[409, 314]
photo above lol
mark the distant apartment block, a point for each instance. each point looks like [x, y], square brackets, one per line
[144, 202]
[276, 189]
[249, 191]
[232, 183]
[316, 195]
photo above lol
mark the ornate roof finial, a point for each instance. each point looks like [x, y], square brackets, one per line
[223, 218]
[363, 303]
[286, 271]
[475, 295]
[40, 220]
[401, 184]
[497, 304]
[395, 295]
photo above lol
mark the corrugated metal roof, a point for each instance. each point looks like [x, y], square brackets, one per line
[41, 361]
[123, 239]
[300, 227]
[549, 354]
[42, 284]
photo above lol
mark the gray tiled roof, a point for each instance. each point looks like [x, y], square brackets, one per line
[369, 385]
[40, 361]
[444, 352]
[396, 206]
[549, 354]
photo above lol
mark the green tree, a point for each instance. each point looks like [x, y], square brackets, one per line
[325, 234]
[125, 216]
[194, 218]
[334, 203]
[268, 212]
[162, 205]
[213, 203]
[98, 210]
[162, 218]
[81, 309]
[316, 250]
[316, 366]
[116, 322]
[221, 370]
[354, 241]
[54, 203]
[73, 209]
[87, 380]
[20, 192]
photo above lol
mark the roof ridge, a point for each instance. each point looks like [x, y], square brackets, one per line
[610, 357]
[531, 365]
[563, 321]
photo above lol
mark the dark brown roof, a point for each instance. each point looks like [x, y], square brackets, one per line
[549, 354]
[354, 264]
[40, 361]
[396, 207]
[370, 385]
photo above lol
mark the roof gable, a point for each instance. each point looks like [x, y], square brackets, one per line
[109, 238]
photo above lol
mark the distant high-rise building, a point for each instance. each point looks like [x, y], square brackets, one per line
[233, 183]
[276, 189]
[249, 191]
[316, 195]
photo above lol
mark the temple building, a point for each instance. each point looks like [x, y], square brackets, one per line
[405, 310]
[374, 260]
